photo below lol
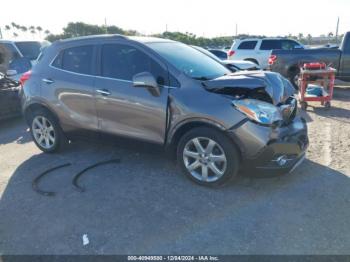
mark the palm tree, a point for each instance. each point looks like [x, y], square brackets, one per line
[33, 32]
[47, 32]
[309, 38]
[24, 29]
[300, 36]
[39, 30]
[7, 28]
[15, 34]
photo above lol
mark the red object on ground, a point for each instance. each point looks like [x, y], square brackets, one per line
[321, 75]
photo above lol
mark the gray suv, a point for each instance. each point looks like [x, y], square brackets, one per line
[167, 93]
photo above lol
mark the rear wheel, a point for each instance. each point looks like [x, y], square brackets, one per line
[46, 132]
[208, 157]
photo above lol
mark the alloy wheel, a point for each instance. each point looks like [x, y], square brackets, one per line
[43, 132]
[204, 159]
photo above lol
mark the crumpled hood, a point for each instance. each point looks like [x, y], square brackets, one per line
[273, 84]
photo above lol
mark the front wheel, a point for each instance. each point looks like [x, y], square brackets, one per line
[208, 157]
[46, 132]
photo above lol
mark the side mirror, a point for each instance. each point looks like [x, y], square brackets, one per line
[11, 72]
[146, 80]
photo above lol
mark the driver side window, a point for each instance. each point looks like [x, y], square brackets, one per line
[122, 62]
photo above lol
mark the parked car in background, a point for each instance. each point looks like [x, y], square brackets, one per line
[10, 105]
[221, 54]
[288, 62]
[233, 65]
[258, 50]
[24, 50]
[168, 93]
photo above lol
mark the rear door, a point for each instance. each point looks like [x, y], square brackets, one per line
[69, 85]
[122, 108]
[246, 50]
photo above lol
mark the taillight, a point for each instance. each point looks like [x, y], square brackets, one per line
[272, 59]
[230, 53]
[25, 77]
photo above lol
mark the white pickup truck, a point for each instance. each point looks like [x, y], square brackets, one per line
[258, 50]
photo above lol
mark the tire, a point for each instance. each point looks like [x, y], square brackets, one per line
[304, 105]
[327, 105]
[293, 78]
[44, 124]
[224, 157]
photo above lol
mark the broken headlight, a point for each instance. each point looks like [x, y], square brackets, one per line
[259, 111]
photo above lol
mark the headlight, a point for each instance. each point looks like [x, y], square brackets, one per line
[258, 111]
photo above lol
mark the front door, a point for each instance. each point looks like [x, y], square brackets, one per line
[126, 110]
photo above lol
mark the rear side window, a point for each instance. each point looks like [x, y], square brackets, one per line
[12, 50]
[123, 62]
[29, 50]
[220, 54]
[271, 45]
[76, 59]
[248, 45]
[290, 45]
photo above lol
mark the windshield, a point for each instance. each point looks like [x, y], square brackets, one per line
[29, 50]
[206, 52]
[190, 61]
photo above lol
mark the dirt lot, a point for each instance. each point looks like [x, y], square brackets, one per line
[145, 206]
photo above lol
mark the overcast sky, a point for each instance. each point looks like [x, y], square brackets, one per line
[204, 18]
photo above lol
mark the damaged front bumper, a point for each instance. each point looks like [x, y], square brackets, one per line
[271, 151]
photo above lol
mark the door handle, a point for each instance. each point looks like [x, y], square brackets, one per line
[48, 81]
[103, 92]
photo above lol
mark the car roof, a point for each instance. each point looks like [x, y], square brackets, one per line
[7, 41]
[266, 38]
[142, 39]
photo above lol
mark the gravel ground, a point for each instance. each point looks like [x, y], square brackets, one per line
[145, 206]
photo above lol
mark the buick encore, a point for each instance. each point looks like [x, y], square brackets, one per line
[168, 93]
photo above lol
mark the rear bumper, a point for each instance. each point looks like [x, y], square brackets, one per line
[272, 151]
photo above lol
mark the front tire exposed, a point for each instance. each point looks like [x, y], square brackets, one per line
[208, 157]
[46, 131]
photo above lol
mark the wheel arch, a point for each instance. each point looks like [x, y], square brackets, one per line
[28, 111]
[252, 60]
[182, 128]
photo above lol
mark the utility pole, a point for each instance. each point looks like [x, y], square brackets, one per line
[236, 30]
[0, 33]
[337, 31]
[166, 28]
[106, 25]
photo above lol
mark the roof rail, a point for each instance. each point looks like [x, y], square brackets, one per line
[92, 37]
